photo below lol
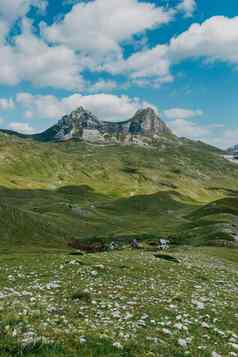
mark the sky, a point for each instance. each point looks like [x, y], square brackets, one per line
[117, 56]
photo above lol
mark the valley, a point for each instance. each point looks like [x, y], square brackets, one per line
[79, 190]
[57, 301]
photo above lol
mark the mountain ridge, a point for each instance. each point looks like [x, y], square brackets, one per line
[52, 192]
[144, 127]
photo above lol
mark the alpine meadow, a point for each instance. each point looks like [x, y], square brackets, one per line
[118, 178]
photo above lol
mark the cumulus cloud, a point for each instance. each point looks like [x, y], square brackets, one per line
[107, 25]
[181, 113]
[92, 37]
[11, 10]
[188, 7]
[181, 123]
[224, 138]
[100, 26]
[7, 104]
[31, 59]
[189, 129]
[24, 128]
[150, 63]
[216, 39]
[184, 123]
[105, 106]
[102, 85]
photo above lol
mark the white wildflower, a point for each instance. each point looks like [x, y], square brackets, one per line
[215, 354]
[82, 340]
[118, 345]
[183, 343]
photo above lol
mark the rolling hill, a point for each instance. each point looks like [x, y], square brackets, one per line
[53, 191]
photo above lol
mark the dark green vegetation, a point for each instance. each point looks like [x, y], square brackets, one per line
[54, 192]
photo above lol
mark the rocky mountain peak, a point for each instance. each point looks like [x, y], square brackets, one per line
[146, 111]
[79, 118]
[73, 125]
[148, 122]
[82, 124]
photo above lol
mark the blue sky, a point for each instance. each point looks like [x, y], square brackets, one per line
[116, 56]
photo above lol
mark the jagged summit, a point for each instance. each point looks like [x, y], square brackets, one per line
[81, 124]
[73, 125]
[150, 123]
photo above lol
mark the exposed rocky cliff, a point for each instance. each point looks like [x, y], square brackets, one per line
[142, 128]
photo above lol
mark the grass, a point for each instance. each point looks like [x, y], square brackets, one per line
[51, 193]
[193, 169]
[122, 303]
[50, 219]
[138, 306]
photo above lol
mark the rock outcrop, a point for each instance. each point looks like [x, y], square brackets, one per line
[145, 122]
[81, 124]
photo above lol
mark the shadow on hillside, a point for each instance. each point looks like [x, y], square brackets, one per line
[79, 192]
[51, 218]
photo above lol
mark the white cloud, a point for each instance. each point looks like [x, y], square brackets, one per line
[188, 7]
[88, 38]
[105, 106]
[100, 26]
[11, 10]
[189, 129]
[3, 30]
[102, 85]
[224, 138]
[6, 104]
[182, 122]
[181, 113]
[24, 128]
[214, 39]
[40, 107]
[149, 63]
[182, 125]
[31, 59]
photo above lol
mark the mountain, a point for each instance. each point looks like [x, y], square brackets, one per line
[142, 128]
[54, 189]
[53, 192]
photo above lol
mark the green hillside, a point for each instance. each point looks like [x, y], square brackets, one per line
[53, 192]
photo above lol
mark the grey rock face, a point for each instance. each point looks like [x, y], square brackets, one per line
[76, 123]
[82, 124]
[145, 122]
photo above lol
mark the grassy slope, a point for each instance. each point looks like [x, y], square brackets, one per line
[140, 306]
[50, 193]
[54, 192]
